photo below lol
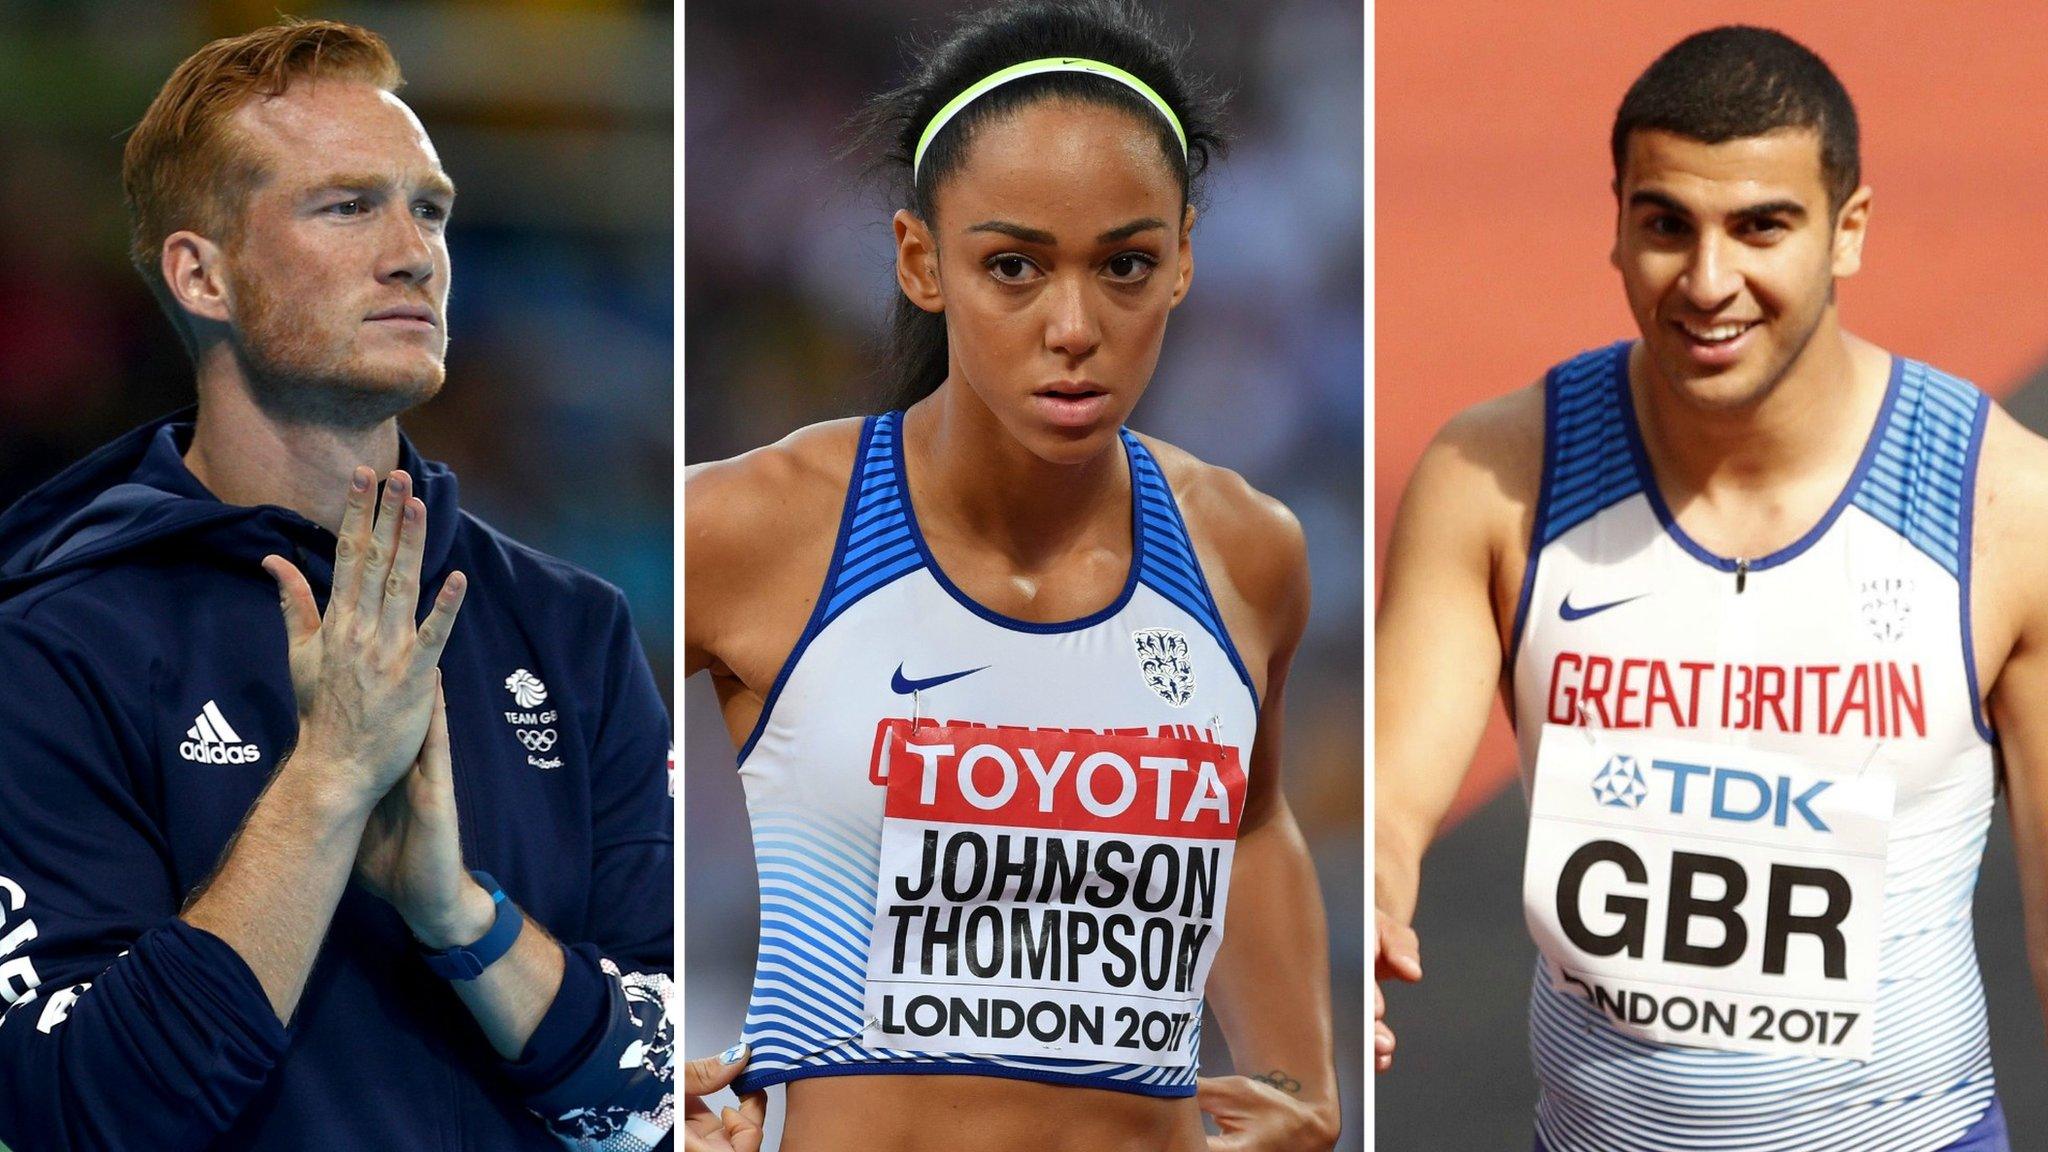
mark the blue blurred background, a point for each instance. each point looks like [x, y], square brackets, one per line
[787, 283]
[556, 119]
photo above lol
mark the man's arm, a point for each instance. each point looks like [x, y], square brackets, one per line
[587, 1031]
[2020, 711]
[2010, 609]
[163, 1045]
[1437, 651]
[274, 892]
[600, 1066]
[123, 1027]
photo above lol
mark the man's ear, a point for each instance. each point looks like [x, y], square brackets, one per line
[917, 262]
[195, 271]
[1852, 224]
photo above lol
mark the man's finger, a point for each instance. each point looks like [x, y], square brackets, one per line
[301, 611]
[402, 583]
[383, 544]
[353, 539]
[707, 1074]
[1400, 950]
[440, 622]
[434, 764]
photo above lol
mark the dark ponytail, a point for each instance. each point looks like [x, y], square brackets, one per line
[1113, 32]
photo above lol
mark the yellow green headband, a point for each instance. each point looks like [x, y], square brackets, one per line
[982, 87]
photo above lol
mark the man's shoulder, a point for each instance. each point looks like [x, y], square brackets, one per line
[87, 608]
[2012, 478]
[1511, 424]
[78, 646]
[1490, 454]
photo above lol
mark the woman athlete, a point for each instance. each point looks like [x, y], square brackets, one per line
[1005, 678]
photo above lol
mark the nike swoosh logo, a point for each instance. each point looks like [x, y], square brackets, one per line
[1566, 611]
[904, 687]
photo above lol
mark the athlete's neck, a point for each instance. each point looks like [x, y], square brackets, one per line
[246, 456]
[972, 475]
[1812, 423]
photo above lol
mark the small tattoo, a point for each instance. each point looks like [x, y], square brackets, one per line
[1280, 1080]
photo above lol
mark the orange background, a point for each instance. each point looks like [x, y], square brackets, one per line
[1494, 214]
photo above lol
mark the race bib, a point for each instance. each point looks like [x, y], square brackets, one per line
[1709, 895]
[1049, 892]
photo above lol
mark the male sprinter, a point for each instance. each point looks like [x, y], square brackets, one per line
[1749, 587]
[188, 779]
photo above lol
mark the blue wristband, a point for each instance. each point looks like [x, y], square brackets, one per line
[467, 963]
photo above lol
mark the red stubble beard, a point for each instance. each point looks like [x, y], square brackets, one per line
[299, 368]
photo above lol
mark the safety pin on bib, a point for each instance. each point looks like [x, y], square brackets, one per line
[1585, 727]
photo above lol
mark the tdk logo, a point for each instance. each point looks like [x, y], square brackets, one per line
[1620, 784]
[1744, 797]
[212, 740]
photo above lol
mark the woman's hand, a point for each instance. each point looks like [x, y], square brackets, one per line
[735, 1129]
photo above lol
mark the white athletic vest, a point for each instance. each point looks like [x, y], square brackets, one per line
[1759, 796]
[988, 846]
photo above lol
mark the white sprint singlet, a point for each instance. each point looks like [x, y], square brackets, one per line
[1759, 792]
[988, 846]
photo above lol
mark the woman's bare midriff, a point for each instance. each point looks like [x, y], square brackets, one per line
[981, 1114]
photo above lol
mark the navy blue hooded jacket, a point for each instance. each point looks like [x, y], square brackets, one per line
[145, 701]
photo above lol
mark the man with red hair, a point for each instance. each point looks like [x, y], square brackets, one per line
[297, 881]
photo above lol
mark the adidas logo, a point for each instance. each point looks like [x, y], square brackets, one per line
[212, 740]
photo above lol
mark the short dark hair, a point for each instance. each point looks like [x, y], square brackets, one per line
[983, 41]
[1727, 83]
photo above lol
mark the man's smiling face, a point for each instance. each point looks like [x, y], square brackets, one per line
[1729, 254]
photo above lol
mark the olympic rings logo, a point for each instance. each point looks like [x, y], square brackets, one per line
[537, 739]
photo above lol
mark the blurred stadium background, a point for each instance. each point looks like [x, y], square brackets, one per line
[787, 278]
[1493, 224]
[556, 120]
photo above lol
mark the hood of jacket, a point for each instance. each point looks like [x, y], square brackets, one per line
[135, 496]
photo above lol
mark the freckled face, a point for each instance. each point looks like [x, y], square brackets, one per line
[1061, 247]
[1729, 255]
[339, 271]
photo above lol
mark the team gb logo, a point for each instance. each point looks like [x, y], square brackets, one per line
[1888, 607]
[1163, 658]
[526, 688]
